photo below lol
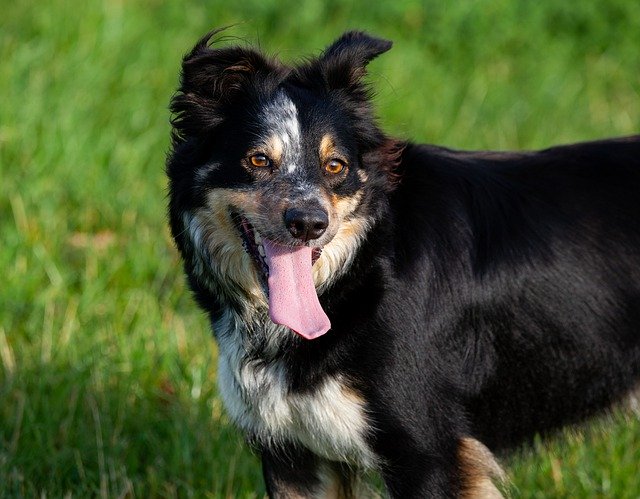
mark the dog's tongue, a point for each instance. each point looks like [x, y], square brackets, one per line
[293, 301]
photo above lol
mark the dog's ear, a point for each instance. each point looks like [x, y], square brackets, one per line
[212, 77]
[344, 62]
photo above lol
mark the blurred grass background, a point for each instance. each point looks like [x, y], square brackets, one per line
[107, 370]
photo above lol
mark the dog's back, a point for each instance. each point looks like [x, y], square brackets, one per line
[531, 266]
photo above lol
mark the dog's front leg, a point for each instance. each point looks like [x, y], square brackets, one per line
[294, 472]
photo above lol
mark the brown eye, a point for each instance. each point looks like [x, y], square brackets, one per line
[334, 166]
[260, 160]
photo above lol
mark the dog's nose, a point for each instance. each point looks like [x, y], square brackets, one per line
[306, 224]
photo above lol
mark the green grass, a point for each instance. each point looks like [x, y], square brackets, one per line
[107, 371]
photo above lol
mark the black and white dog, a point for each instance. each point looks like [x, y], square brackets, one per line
[382, 305]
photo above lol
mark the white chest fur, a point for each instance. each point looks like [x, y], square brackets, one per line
[329, 420]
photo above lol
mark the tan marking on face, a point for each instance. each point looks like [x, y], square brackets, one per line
[478, 468]
[274, 148]
[327, 148]
[344, 206]
[338, 253]
[222, 241]
[217, 207]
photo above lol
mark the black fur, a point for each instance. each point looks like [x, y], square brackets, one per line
[495, 295]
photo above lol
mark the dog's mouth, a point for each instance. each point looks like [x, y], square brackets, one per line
[252, 244]
[286, 273]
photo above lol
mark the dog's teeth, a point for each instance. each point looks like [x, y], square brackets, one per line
[258, 237]
[261, 250]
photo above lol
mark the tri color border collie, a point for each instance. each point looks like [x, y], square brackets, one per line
[388, 306]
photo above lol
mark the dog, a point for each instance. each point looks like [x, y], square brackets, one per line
[388, 306]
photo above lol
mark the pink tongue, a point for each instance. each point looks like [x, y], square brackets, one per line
[293, 301]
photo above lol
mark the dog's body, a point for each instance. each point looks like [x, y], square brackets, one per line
[466, 297]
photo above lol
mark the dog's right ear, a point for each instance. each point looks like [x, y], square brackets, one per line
[344, 62]
[211, 78]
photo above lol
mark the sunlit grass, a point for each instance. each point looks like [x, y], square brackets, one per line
[107, 371]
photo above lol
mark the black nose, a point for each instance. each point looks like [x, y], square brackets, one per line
[306, 224]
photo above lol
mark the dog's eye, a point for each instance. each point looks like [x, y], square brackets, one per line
[260, 160]
[334, 166]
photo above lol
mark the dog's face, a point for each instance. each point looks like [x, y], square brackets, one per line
[275, 172]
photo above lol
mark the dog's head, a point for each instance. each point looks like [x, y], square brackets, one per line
[276, 172]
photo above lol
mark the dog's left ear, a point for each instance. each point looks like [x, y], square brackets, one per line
[343, 64]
